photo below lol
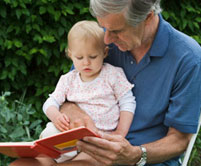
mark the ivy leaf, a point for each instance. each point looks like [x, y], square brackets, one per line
[196, 25]
[57, 15]
[61, 31]
[18, 13]
[35, 123]
[42, 10]
[43, 52]
[33, 51]
[165, 15]
[49, 38]
[17, 43]
[18, 132]
[184, 24]
[8, 44]
[3, 75]
[23, 69]
[28, 28]
[69, 9]
[3, 129]
[19, 117]
[50, 9]
[3, 12]
[198, 19]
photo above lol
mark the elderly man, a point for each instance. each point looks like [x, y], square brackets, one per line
[165, 66]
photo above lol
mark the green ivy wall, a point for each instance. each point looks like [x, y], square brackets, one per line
[33, 38]
[32, 42]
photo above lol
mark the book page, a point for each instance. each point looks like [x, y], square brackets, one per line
[16, 143]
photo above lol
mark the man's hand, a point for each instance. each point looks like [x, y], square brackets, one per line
[110, 149]
[114, 149]
[77, 117]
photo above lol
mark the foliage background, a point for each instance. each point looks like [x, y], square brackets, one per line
[32, 42]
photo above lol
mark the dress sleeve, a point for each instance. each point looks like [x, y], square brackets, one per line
[61, 90]
[127, 102]
[119, 83]
[50, 102]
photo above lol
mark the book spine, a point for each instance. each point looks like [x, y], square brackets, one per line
[44, 150]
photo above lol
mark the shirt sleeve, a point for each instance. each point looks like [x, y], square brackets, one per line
[185, 99]
[127, 102]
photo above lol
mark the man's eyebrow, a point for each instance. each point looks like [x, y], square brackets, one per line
[100, 25]
[113, 30]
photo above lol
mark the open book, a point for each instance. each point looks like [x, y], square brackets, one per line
[52, 146]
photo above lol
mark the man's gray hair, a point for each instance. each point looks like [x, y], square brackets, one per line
[135, 11]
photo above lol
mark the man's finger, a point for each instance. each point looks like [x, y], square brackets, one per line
[106, 137]
[100, 154]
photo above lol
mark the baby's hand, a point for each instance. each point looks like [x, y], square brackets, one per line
[62, 122]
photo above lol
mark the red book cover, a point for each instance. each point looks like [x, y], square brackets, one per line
[52, 146]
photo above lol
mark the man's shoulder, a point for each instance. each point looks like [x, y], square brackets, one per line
[177, 43]
[185, 48]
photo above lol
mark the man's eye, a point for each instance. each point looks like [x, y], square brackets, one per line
[93, 57]
[116, 31]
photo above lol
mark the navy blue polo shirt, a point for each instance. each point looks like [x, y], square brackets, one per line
[167, 84]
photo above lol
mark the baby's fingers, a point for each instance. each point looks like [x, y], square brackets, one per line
[64, 123]
[62, 127]
[66, 119]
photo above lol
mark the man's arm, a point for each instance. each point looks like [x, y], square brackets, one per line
[77, 116]
[114, 149]
[174, 144]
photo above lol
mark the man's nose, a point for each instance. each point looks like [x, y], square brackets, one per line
[109, 37]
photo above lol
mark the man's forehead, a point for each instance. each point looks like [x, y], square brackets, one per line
[112, 21]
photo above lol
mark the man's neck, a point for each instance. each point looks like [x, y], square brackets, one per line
[150, 32]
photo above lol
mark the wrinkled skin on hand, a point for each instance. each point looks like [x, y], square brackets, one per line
[110, 149]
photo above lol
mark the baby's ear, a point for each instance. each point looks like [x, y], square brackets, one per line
[106, 51]
[68, 53]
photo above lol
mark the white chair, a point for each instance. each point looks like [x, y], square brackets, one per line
[190, 145]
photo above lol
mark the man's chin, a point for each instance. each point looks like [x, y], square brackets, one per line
[123, 49]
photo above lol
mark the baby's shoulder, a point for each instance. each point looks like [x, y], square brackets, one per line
[110, 69]
[70, 76]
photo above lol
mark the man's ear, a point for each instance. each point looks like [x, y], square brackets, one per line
[149, 17]
[106, 51]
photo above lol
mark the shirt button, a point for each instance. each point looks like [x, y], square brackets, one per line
[131, 62]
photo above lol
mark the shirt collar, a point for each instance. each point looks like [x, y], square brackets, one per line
[160, 43]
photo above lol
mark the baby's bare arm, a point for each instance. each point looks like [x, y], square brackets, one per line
[125, 121]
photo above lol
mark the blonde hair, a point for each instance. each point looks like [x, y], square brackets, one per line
[84, 30]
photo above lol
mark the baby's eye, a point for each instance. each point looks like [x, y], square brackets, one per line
[79, 57]
[93, 57]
